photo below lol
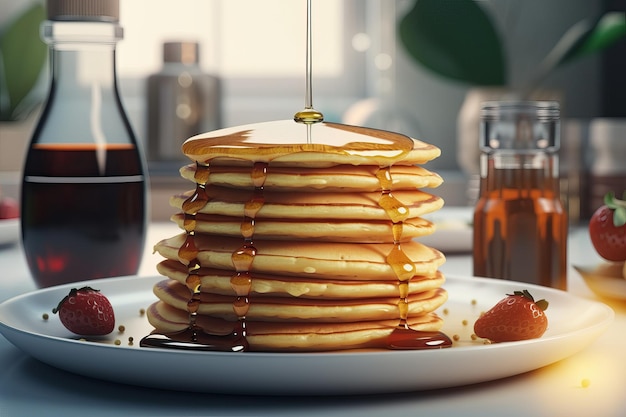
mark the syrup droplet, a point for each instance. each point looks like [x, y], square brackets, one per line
[247, 228]
[189, 222]
[308, 116]
[397, 229]
[401, 264]
[193, 283]
[403, 308]
[259, 174]
[241, 307]
[196, 201]
[252, 206]
[396, 211]
[403, 289]
[201, 176]
[188, 251]
[241, 283]
[384, 178]
[242, 258]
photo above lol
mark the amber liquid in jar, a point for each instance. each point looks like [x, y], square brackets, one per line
[82, 219]
[520, 227]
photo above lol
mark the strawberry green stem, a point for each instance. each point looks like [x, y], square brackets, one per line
[542, 304]
[618, 206]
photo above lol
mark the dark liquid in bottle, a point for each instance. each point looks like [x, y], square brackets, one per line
[83, 212]
[520, 228]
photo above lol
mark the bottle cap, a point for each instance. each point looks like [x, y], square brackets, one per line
[84, 10]
[184, 52]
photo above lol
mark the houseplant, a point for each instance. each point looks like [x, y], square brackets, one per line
[22, 57]
[459, 40]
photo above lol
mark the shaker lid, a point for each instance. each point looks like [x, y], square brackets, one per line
[184, 52]
[83, 10]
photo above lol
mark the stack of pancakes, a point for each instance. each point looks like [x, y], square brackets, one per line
[301, 238]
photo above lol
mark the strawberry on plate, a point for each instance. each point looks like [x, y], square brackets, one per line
[515, 317]
[607, 229]
[86, 312]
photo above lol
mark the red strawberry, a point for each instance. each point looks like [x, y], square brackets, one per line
[86, 312]
[516, 317]
[607, 229]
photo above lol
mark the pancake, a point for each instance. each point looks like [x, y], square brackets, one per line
[285, 143]
[267, 308]
[218, 281]
[318, 230]
[335, 260]
[364, 206]
[286, 336]
[337, 178]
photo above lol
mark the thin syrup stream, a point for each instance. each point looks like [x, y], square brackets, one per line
[308, 93]
[309, 114]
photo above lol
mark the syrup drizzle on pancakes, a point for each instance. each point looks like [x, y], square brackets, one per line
[194, 337]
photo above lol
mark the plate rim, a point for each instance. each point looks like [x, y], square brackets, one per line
[604, 312]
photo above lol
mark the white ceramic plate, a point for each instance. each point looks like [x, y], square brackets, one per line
[604, 279]
[574, 323]
[9, 231]
[454, 229]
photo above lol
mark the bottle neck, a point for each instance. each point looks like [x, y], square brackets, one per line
[82, 56]
[83, 105]
[82, 69]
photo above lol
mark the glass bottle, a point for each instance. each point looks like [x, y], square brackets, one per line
[182, 101]
[520, 224]
[84, 183]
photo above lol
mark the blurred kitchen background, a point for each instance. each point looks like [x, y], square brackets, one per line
[252, 54]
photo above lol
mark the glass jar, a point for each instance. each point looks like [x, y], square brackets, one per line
[520, 224]
[84, 187]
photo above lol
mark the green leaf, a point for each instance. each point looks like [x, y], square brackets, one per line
[456, 39]
[22, 57]
[585, 37]
[618, 206]
[608, 29]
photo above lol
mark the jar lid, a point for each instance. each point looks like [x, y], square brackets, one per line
[502, 110]
[520, 126]
[183, 52]
[84, 10]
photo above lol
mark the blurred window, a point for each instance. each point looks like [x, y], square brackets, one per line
[256, 47]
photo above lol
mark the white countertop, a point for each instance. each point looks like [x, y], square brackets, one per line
[31, 388]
